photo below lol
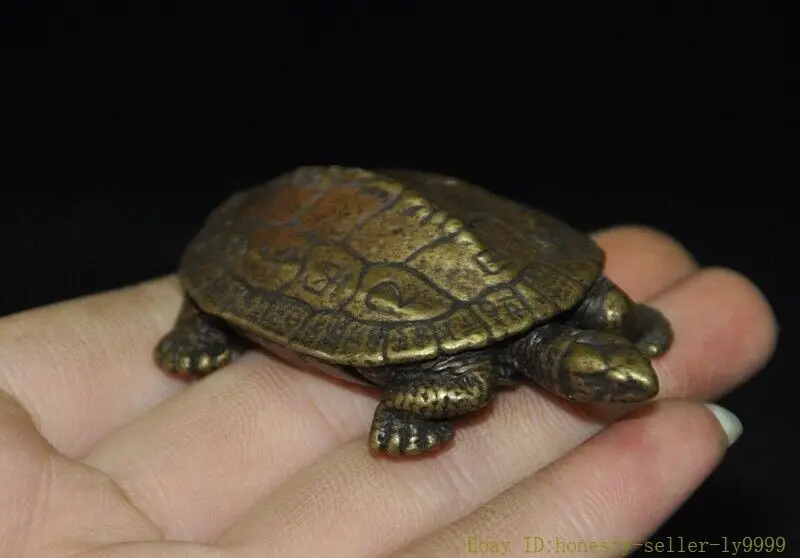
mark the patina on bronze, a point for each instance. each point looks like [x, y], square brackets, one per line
[430, 288]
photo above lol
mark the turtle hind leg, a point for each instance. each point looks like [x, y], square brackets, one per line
[418, 405]
[607, 307]
[197, 344]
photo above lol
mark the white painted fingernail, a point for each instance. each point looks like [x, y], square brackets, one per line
[730, 422]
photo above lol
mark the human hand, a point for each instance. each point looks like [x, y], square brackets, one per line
[102, 455]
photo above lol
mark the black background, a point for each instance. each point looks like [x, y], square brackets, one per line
[122, 130]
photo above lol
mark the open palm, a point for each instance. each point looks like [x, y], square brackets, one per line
[102, 455]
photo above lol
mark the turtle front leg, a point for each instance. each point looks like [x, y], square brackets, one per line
[416, 412]
[607, 307]
[588, 366]
[197, 344]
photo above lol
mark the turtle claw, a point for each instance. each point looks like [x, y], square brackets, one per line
[194, 348]
[650, 331]
[396, 432]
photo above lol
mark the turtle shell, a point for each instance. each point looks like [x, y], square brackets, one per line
[364, 268]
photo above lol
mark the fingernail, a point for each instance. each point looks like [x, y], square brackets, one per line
[730, 423]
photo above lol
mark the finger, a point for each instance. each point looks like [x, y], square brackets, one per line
[611, 493]
[85, 350]
[660, 261]
[266, 420]
[725, 322]
[220, 445]
[83, 367]
[39, 489]
[523, 432]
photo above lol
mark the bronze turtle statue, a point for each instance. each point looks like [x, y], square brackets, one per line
[425, 286]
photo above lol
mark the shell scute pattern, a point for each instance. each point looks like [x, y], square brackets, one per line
[367, 268]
